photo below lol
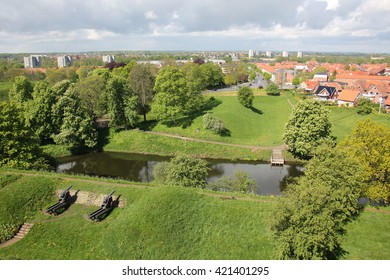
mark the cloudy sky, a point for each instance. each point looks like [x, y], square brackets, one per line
[98, 25]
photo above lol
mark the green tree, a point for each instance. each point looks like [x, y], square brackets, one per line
[369, 144]
[245, 96]
[92, 94]
[21, 91]
[295, 81]
[212, 75]
[309, 219]
[272, 89]
[182, 171]
[141, 81]
[307, 128]
[122, 104]
[364, 106]
[76, 126]
[171, 93]
[19, 148]
[39, 117]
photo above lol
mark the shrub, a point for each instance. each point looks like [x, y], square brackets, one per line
[182, 171]
[364, 106]
[212, 123]
[245, 96]
[239, 182]
[272, 89]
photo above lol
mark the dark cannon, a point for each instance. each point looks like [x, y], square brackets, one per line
[105, 208]
[63, 201]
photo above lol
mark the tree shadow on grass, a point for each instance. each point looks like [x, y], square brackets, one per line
[103, 138]
[255, 110]
[187, 120]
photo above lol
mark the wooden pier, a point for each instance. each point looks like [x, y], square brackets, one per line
[277, 158]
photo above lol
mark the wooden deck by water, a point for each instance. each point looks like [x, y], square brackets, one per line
[277, 157]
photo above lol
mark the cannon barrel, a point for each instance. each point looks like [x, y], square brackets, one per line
[110, 194]
[65, 191]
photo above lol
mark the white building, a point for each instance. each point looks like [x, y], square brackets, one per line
[251, 53]
[108, 58]
[32, 61]
[64, 61]
[268, 54]
[299, 54]
[285, 54]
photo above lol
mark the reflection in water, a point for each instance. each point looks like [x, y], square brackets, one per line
[135, 167]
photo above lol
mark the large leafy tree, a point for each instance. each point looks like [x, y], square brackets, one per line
[19, 148]
[21, 90]
[245, 96]
[93, 96]
[370, 145]
[307, 127]
[76, 128]
[122, 104]
[141, 81]
[39, 117]
[212, 75]
[309, 219]
[171, 93]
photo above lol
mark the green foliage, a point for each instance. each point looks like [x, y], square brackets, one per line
[183, 171]
[39, 111]
[54, 76]
[76, 128]
[309, 219]
[21, 90]
[307, 127]
[295, 81]
[245, 96]
[92, 94]
[141, 81]
[369, 144]
[122, 104]
[20, 200]
[239, 182]
[364, 106]
[212, 123]
[212, 75]
[171, 93]
[272, 89]
[266, 76]
[18, 146]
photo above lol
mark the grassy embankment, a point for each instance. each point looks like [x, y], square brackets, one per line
[162, 223]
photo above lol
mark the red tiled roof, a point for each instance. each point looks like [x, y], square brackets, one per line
[349, 95]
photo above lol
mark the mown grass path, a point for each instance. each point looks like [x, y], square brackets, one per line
[280, 147]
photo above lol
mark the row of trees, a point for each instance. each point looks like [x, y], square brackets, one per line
[309, 219]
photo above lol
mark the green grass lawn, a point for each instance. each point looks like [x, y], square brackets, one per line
[136, 141]
[345, 119]
[261, 126]
[4, 89]
[166, 223]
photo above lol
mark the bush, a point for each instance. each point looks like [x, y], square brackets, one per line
[364, 106]
[182, 171]
[245, 96]
[239, 182]
[212, 123]
[272, 89]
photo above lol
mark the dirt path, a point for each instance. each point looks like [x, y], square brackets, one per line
[281, 147]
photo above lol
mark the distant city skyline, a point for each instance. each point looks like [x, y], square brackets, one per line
[195, 25]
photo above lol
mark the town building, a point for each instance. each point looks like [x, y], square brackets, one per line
[348, 97]
[33, 61]
[251, 53]
[268, 54]
[285, 54]
[108, 58]
[299, 54]
[64, 61]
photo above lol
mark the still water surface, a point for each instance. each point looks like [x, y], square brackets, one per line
[139, 168]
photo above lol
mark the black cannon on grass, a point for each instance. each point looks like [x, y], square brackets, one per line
[106, 207]
[63, 202]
